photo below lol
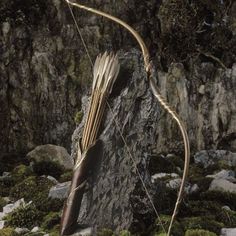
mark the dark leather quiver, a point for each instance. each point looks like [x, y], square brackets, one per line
[84, 169]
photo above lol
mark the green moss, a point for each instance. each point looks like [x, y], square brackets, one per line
[55, 231]
[8, 232]
[205, 222]
[48, 168]
[21, 172]
[32, 188]
[164, 221]
[5, 185]
[50, 220]
[124, 233]
[24, 216]
[225, 198]
[199, 232]
[2, 203]
[105, 232]
[36, 189]
[78, 117]
[50, 204]
[67, 176]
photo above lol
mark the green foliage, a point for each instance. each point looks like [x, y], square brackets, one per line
[67, 176]
[50, 220]
[205, 222]
[124, 233]
[48, 168]
[199, 232]
[164, 221]
[50, 204]
[160, 164]
[33, 188]
[225, 198]
[24, 216]
[5, 185]
[105, 232]
[8, 232]
[2, 203]
[78, 117]
[21, 172]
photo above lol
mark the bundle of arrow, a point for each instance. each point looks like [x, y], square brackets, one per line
[106, 69]
[105, 72]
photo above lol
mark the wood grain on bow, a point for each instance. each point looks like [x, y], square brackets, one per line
[149, 67]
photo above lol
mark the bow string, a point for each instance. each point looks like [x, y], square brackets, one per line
[150, 70]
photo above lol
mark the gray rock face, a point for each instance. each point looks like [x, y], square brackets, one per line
[210, 157]
[145, 127]
[228, 232]
[51, 153]
[39, 82]
[60, 190]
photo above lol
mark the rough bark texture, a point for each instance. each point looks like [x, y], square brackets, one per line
[44, 73]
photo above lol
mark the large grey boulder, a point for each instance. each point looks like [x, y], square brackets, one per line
[222, 185]
[53, 153]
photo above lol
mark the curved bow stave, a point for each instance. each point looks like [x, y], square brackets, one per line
[152, 80]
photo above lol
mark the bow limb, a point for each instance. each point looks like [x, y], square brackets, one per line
[152, 80]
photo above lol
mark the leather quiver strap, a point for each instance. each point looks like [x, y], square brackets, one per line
[89, 160]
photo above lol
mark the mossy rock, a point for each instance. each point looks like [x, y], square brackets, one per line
[2, 203]
[55, 230]
[50, 204]
[67, 176]
[165, 200]
[199, 208]
[5, 185]
[105, 232]
[21, 172]
[36, 189]
[50, 220]
[48, 168]
[8, 232]
[78, 117]
[225, 198]
[205, 222]
[164, 222]
[124, 233]
[24, 217]
[199, 232]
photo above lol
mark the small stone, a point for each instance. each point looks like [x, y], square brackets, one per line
[194, 189]
[35, 229]
[83, 232]
[163, 175]
[174, 183]
[11, 207]
[21, 231]
[60, 190]
[2, 222]
[222, 185]
[52, 179]
[228, 231]
[2, 215]
[224, 174]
